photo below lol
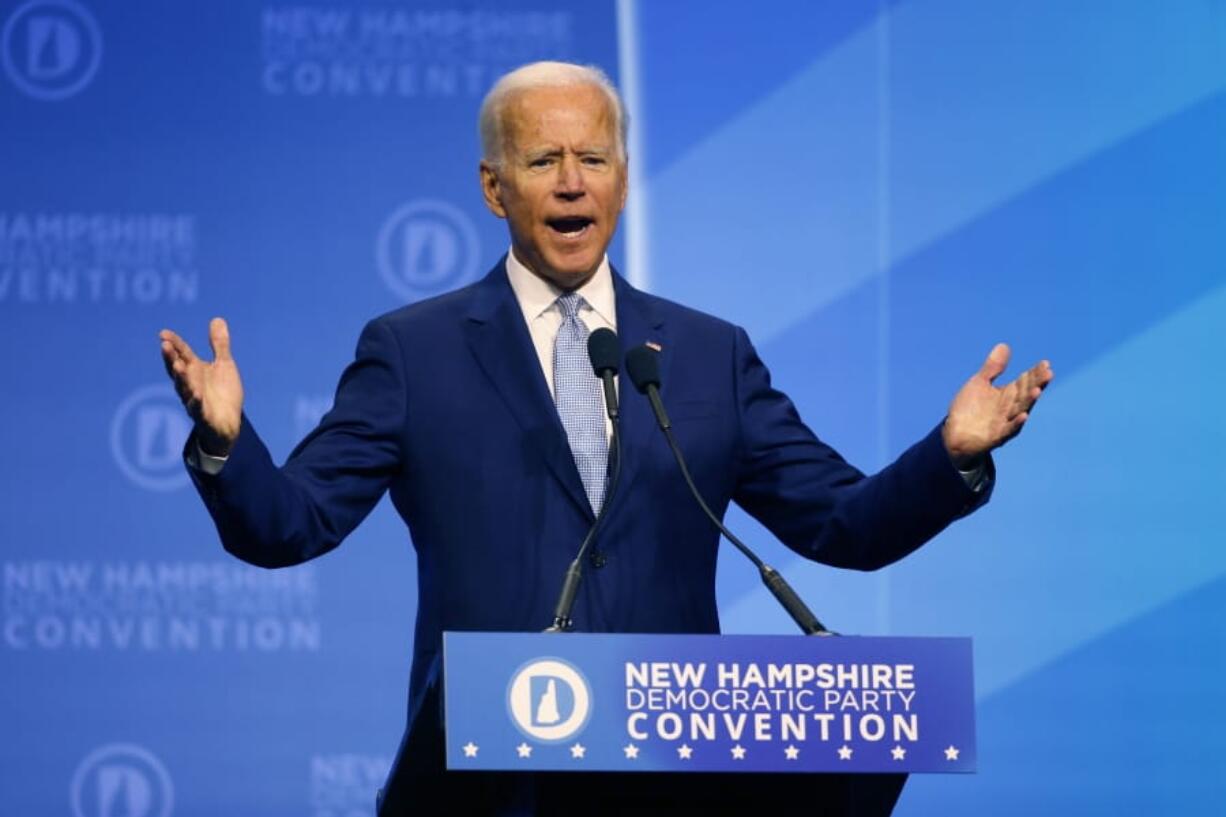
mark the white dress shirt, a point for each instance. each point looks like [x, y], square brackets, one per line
[538, 299]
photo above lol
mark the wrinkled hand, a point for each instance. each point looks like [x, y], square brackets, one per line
[212, 393]
[982, 416]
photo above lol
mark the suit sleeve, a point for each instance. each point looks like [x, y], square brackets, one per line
[275, 517]
[824, 508]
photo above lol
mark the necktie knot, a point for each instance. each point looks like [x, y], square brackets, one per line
[570, 304]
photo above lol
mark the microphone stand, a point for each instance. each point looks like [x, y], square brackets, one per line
[772, 578]
[562, 622]
[642, 365]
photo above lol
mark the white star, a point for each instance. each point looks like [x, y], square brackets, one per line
[951, 753]
[632, 751]
[738, 752]
[844, 752]
[684, 752]
[524, 750]
[898, 752]
[792, 752]
[470, 749]
[578, 750]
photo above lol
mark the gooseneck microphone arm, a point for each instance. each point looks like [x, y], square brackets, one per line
[643, 366]
[562, 622]
[603, 350]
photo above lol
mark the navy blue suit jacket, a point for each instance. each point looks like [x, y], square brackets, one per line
[446, 407]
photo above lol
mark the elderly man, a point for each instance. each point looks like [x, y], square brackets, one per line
[477, 410]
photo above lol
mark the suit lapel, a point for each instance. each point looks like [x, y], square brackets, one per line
[499, 340]
[638, 322]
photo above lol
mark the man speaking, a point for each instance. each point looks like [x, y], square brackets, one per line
[480, 413]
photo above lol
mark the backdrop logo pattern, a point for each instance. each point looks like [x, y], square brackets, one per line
[319, 51]
[121, 780]
[549, 700]
[309, 409]
[153, 607]
[147, 437]
[427, 247]
[67, 258]
[344, 785]
[51, 49]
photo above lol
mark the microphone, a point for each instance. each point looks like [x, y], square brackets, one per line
[643, 366]
[603, 350]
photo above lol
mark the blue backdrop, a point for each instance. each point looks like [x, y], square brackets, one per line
[892, 187]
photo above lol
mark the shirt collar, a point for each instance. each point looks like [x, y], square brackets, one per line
[537, 295]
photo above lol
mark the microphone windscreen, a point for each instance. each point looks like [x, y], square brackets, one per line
[643, 366]
[603, 350]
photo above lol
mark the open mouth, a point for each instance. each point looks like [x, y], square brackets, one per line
[570, 226]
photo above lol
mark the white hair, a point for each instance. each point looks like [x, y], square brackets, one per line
[544, 75]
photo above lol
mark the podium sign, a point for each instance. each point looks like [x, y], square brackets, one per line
[707, 703]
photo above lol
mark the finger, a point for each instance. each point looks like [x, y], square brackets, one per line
[1016, 397]
[1015, 427]
[169, 358]
[177, 370]
[219, 339]
[1021, 394]
[178, 345]
[1035, 381]
[185, 393]
[1012, 427]
[1040, 371]
[1026, 403]
[1045, 373]
[1017, 408]
[176, 365]
[997, 360]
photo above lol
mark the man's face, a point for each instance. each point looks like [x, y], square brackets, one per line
[562, 184]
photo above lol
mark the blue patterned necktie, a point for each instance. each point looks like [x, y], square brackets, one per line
[577, 393]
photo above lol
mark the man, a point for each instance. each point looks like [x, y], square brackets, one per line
[477, 411]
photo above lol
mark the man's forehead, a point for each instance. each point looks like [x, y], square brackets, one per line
[581, 94]
[537, 109]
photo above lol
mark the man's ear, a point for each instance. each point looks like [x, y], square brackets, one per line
[491, 189]
[625, 183]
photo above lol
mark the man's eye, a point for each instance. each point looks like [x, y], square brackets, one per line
[542, 162]
[594, 161]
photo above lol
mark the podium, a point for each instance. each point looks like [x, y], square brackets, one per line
[716, 724]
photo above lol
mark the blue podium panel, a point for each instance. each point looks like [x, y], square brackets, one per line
[708, 703]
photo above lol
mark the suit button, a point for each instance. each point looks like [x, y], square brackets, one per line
[598, 558]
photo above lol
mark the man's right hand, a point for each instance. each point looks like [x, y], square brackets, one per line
[212, 393]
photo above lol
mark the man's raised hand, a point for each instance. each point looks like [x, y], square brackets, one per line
[982, 416]
[212, 393]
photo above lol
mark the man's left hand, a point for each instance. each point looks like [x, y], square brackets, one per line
[982, 416]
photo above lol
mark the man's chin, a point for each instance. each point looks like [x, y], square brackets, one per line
[570, 273]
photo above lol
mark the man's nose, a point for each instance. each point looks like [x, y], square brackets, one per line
[570, 179]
